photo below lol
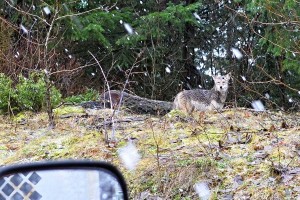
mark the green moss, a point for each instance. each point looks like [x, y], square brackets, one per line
[250, 158]
[176, 114]
[69, 110]
[21, 116]
[2, 147]
[184, 163]
[205, 163]
[238, 162]
[180, 197]
[222, 165]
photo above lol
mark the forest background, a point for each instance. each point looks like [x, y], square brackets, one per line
[151, 48]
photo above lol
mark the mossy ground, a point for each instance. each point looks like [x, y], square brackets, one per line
[241, 154]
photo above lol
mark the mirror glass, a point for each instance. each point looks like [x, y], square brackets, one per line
[62, 184]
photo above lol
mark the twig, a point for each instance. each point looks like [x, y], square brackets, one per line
[113, 121]
[108, 88]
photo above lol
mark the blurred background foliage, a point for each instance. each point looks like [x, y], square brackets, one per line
[160, 47]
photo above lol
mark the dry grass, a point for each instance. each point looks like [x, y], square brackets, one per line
[241, 154]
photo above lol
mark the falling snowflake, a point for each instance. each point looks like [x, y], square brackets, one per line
[46, 71]
[128, 28]
[251, 61]
[168, 70]
[267, 95]
[25, 31]
[47, 10]
[244, 78]
[236, 53]
[257, 105]
[129, 156]
[196, 16]
[202, 190]
[17, 54]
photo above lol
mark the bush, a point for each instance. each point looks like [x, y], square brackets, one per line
[55, 97]
[89, 95]
[6, 91]
[28, 94]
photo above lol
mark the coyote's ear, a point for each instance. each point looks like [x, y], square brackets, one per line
[228, 76]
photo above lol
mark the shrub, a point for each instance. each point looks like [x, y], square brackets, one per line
[6, 91]
[55, 97]
[30, 93]
[89, 95]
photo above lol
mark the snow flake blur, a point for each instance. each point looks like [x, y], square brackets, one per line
[236, 53]
[168, 70]
[196, 16]
[202, 190]
[128, 28]
[267, 95]
[257, 105]
[47, 10]
[25, 31]
[129, 156]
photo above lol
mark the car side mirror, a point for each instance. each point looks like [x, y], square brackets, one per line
[62, 180]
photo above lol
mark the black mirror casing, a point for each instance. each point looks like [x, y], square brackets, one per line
[67, 165]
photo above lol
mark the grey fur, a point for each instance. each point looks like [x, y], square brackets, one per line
[203, 100]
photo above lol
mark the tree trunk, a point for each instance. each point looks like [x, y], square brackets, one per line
[188, 55]
[48, 101]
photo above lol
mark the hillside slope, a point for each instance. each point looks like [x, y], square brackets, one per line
[238, 153]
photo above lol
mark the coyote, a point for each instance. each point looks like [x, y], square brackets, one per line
[203, 100]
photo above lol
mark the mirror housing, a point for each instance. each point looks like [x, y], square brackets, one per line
[60, 177]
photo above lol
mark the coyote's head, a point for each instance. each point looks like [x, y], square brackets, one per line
[221, 83]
